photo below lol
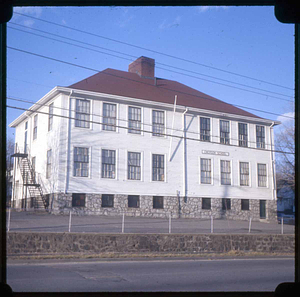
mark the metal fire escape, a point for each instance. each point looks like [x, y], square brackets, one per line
[32, 186]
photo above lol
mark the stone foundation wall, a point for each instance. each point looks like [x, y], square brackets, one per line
[72, 243]
[190, 207]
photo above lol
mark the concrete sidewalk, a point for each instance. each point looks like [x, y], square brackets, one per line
[43, 222]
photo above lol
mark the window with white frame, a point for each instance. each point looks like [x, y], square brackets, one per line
[205, 171]
[243, 135]
[158, 123]
[134, 120]
[262, 175]
[35, 126]
[260, 137]
[158, 167]
[49, 161]
[134, 166]
[205, 129]
[81, 161]
[225, 172]
[244, 174]
[82, 113]
[50, 118]
[108, 164]
[109, 117]
[224, 132]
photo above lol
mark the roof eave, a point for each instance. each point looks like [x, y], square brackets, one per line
[52, 93]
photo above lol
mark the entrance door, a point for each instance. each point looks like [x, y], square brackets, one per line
[262, 209]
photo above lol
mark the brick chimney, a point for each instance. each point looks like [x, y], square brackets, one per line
[143, 66]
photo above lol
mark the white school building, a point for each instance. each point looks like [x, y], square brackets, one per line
[130, 142]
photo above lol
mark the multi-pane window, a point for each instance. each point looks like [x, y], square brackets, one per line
[35, 126]
[244, 173]
[225, 172]
[109, 117]
[49, 161]
[158, 122]
[158, 202]
[260, 137]
[243, 135]
[205, 171]
[134, 120]
[158, 167]
[262, 175]
[245, 204]
[82, 114]
[81, 161]
[108, 164]
[50, 118]
[226, 204]
[78, 200]
[134, 166]
[107, 200]
[205, 129]
[134, 201]
[206, 203]
[224, 132]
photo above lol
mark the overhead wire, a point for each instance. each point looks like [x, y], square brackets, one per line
[157, 63]
[119, 119]
[142, 130]
[153, 51]
[110, 74]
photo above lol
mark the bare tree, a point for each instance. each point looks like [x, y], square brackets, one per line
[9, 151]
[285, 163]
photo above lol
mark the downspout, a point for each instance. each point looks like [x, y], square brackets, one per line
[68, 145]
[273, 163]
[184, 156]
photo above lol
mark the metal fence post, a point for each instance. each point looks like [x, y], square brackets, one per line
[70, 220]
[211, 224]
[170, 222]
[8, 222]
[281, 225]
[250, 221]
[123, 222]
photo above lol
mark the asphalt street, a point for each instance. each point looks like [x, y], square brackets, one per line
[256, 274]
[44, 222]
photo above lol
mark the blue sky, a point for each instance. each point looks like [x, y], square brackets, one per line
[248, 41]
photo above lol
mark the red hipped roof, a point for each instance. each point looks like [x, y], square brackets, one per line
[122, 83]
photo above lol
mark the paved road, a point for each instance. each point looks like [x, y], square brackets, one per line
[43, 222]
[259, 274]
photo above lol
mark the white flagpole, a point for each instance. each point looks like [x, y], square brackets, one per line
[170, 149]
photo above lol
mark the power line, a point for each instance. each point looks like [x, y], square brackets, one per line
[135, 57]
[153, 51]
[119, 119]
[151, 132]
[96, 70]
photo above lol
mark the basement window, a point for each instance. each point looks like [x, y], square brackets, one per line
[226, 204]
[134, 201]
[78, 200]
[107, 200]
[245, 204]
[206, 203]
[158, 202]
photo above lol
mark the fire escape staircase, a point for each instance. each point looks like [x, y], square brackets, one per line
[29, 180]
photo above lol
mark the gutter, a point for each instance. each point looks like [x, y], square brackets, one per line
[184, 156]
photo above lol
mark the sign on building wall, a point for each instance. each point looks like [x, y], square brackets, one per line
[217, 153]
